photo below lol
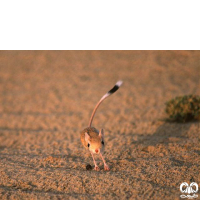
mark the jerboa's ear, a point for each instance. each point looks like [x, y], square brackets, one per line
[101, 133]
[87, 137]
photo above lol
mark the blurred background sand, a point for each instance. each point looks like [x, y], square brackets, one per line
[46, 99]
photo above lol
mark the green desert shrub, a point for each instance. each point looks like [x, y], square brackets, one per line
[184, 108]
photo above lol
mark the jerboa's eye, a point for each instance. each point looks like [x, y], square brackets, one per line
[88, 145]
[102, 142]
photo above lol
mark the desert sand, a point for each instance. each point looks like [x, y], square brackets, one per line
[46, 99]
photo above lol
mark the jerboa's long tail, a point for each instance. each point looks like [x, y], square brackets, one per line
[113, 90]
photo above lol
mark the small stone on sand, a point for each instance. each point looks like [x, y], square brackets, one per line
[88, 167]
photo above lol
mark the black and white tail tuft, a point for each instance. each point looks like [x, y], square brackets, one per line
[113, 90]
